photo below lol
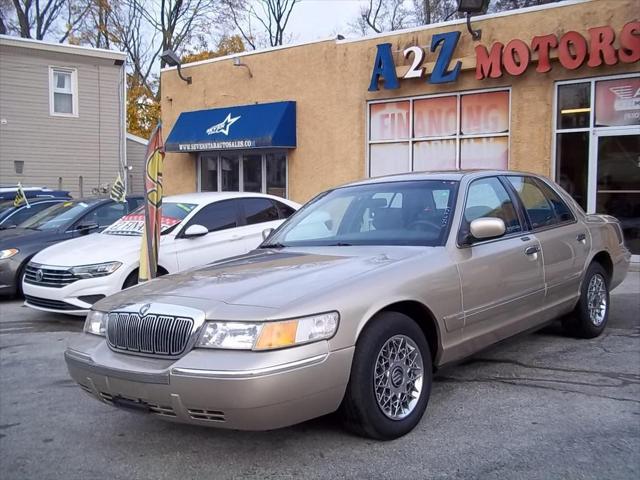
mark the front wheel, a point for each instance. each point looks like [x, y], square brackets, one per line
[592, 311]
[390, 379]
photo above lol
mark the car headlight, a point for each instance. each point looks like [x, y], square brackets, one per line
[96, 270]
[8, 253]
[96, 322]
[268, 335]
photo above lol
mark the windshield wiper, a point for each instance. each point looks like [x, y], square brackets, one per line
[272, 245]
[339, 244]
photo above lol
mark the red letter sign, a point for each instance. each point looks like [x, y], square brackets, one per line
[630, 43]
[543, 44]
[572, 60]
[516, 57]
[602, 46]
[488, 64]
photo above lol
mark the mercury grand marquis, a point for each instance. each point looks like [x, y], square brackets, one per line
[353, 303]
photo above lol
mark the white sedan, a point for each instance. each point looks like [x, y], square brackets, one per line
[197, 229]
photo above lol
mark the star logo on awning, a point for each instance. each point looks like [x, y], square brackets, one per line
[223, 127]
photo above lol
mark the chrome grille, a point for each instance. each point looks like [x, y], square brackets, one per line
[55, 277]
[151, 334]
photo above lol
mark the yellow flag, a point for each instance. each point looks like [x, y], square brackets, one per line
[20, 197]
[152, 207]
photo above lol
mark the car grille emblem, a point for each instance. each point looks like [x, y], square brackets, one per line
[39, 275]
[144, 309]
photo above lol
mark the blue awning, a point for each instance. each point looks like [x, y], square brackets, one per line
[266, 125]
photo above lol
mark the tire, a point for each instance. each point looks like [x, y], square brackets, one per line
[589, 321]
[361, 411]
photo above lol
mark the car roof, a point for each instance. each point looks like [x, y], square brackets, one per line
[452, 175]
[208, 197]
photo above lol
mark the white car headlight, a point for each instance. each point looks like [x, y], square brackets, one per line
[96, 270]
[268, 335]
[96, 322]
[8, 253]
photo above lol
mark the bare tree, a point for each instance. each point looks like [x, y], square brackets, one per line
[426, 12]
[40, 18]
[259, 21]
[383, 16]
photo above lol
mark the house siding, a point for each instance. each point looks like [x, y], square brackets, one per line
[58, 151]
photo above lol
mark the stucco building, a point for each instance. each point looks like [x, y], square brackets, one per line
[553, 90]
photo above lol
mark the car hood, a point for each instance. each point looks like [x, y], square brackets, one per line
[264, 278]
[17, 237]
[90, 249]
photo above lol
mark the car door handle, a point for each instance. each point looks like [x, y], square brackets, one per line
[531, 250]
[582, 238]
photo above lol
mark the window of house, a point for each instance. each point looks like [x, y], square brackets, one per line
[243, 172]
[447, 132]
[63, 91]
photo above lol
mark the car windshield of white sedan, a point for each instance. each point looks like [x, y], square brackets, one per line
[133, 223]
[58, 215]
[393, 213]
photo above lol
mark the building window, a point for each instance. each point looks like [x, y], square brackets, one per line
[63, 91]
[244, 172]
[443, 132]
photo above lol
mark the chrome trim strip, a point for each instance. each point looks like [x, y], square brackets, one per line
[198, 373]
[79, 360]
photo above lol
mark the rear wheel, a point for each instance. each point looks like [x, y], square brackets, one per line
[591, 314]
[390, 379]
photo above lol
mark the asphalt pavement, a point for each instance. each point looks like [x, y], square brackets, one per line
[541, 406]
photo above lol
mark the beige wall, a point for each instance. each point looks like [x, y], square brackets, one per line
[329, 82]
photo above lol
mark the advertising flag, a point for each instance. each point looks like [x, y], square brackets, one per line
[20, 197]
[118, 190]
[152, 207]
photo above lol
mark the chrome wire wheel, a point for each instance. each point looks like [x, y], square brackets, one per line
[398, 377]
[597, 299]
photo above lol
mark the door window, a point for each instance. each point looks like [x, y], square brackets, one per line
[217, 216]
[259, 210]
[544, 207]
[104, 215]
[487, 197]
[285, 210]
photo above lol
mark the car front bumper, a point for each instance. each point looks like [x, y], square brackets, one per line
[265, 390]
[68, 299]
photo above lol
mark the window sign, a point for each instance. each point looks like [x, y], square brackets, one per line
[469, 130]
[435, 117]
[618, 102]
[489, 152]
[389, 121]
[485, 113]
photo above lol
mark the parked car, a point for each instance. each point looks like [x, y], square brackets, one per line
[353, 302]
[198, 228]
[70, 219]
[11, 216]
[9, 192]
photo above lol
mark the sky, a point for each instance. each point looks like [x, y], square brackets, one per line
[314, 19]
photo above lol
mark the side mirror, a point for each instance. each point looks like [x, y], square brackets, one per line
[266, 232]
[487, 227]
[85, 228]
[195, 230]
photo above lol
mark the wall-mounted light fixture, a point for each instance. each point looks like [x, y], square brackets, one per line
[170, 58]
[238, 63]
[470, 7]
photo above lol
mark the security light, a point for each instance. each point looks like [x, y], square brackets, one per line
[473, 6]
[170, 58]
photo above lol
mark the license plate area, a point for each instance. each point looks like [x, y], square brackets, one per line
[129, 404]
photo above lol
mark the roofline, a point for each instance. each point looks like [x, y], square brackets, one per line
[420, 28]
[135, 138]
[8, 40]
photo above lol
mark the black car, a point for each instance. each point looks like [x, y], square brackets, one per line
[9, 193]
[55, 224]
[12, 216]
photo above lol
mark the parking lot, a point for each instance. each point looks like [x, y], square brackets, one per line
[539, 406]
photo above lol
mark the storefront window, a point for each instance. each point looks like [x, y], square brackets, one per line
[244, 172]
[252, 173]
[572, 162]
[618, 102]
[463, 130]
[276, 166]
[574, 105]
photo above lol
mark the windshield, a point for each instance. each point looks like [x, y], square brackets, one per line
[133, 224]
[5, 206]
[393, 213]
[57, 216]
